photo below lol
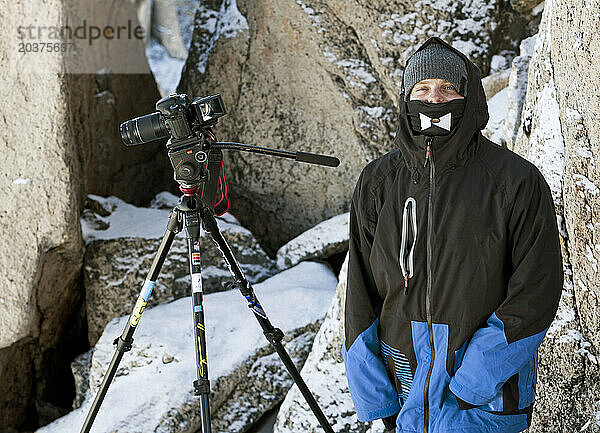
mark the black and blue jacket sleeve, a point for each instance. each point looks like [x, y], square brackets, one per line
[373, 394]
[510, 338]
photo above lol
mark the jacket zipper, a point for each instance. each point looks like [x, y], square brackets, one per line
[429, 159]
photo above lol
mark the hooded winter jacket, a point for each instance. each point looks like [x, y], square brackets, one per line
[453, 346]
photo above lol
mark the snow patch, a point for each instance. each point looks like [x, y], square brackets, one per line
[565, 314]
[574, 121]
[589, 255]
[588, 185]
[146, 389]
[316, 19]
[228, 22]
[358, 69]
[497, 108]
[374, 112]
[547, 147]
[125, 220]
[562, 229]
[164, 200]
[517, 89]
[166, 69]
[575, 335]
[498, 63]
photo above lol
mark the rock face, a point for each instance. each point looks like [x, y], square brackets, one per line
[107, 83]
[60, 140]
[137, 173]
[320, 77]
[41, 245]
[246, 378]
[171, 25]
[262, 382]
[495, 82]
[166, 28]
[558, 129]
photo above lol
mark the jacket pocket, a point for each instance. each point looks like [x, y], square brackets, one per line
[409, 240]
[398, 368]
[527, 380]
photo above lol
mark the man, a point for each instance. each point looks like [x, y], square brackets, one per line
[455, 270]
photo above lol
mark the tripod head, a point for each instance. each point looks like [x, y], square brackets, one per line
[192, 147]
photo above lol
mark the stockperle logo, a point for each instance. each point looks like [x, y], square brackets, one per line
[82, 32]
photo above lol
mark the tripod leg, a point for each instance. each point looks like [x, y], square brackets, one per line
[274, 335]
[202, 384]
[125, 341]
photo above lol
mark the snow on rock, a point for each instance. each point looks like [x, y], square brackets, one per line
[113, 218]
[552, 135]
[80, 367]
[335, 68]
[166, 69]
[494, 129]
[563, 356]
[358, 72]
[172, 24]
[547, 146]
[517, 89]
[586, 184]
[122, 241]
[575, 335]
[456, 21]
[211, 25]
[581, 147]
[21, 181]
[268, 384]
[595, 419]
[153, 388]
[325, 376]
[538, 136]
[498, 63]
[323, 240]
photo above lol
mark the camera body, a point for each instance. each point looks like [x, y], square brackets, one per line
[183, 116]
[177, 116]
[186, 121]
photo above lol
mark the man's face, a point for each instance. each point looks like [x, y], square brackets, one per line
[434, 90]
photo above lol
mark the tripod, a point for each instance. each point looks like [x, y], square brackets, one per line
[189, 214]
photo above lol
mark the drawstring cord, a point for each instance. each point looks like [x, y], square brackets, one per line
[408, 217]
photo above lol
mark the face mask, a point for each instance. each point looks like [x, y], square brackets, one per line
[435, 119]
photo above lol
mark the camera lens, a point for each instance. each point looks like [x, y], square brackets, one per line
[143, 129]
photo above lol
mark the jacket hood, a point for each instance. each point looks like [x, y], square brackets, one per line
[455, 148]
